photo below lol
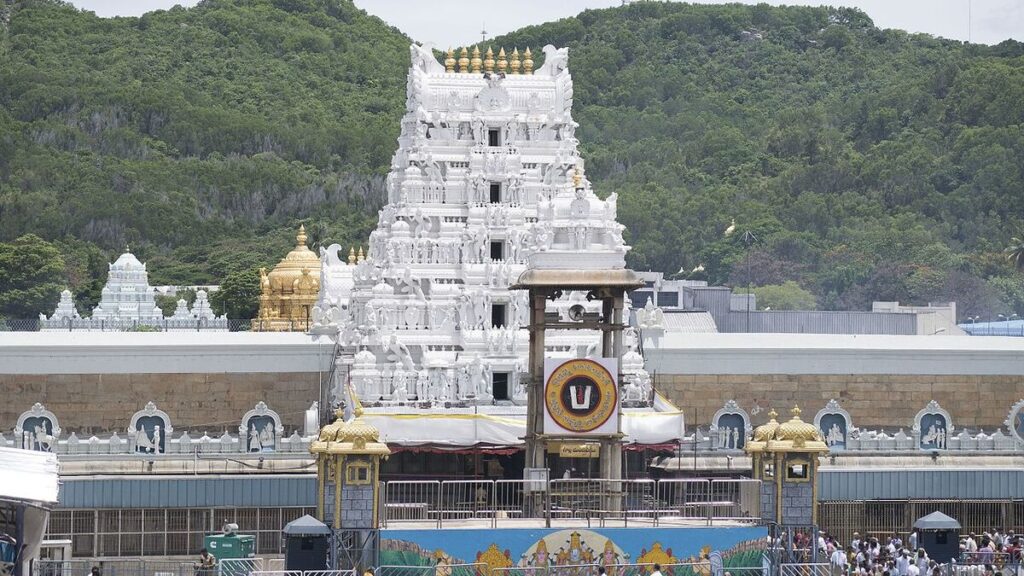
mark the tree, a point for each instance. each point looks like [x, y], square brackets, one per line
[31, 277]
[169, 303]
[239, 295]
[786, 296]
[1015, 252]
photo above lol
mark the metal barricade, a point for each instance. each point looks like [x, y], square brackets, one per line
[680, 569]
[683, 499]
[277, 573]
[329, 573]
[573, 570]
[439, 569]
[639, 501]
[412, 501]
[239, 566]
[465, 499]
[805, 569]
[735, 499]
[575, 498]
[508, 500]
[569, 500]
[118, 567]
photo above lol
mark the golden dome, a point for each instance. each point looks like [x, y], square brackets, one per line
[793, 435]
[798, 431]
[358, 431]
[291, 273]
[353, 437]
[766, 431]
[289, 291]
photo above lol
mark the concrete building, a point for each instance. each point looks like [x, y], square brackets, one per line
[693, 306]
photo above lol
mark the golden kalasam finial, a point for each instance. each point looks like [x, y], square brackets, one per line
[489, 61]
[577, 178]
[527, 61]
[772, 414]
[464, 61]
[514, 64]
[300, 238]
[795, 411]
[475, 62]
[502, 63]
[361, 257]
[351, 255]
[449, 61]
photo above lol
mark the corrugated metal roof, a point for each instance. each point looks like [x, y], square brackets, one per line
[694, 322]
[820, 322]
[921, 484]
[189, 491]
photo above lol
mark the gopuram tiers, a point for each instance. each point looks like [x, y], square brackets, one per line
[487, 180]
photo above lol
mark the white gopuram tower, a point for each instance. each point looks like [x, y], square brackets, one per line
[486, 154]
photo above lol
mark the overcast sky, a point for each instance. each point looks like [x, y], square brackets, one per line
[457, 22]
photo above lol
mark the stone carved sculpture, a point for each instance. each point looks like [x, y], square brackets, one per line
[430, 276]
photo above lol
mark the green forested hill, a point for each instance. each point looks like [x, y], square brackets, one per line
[869, 164]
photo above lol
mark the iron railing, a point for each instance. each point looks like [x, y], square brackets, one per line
[883, 518]
[157, 325]
[588, 501]
[118, 567]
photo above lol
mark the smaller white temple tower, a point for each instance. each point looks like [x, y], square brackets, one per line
[127, 295]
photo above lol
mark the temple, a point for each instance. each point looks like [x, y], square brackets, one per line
[128, 302]
[289, 291]
[487, 180]
[164, 437]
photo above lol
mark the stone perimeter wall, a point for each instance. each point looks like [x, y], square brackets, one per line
[874, 401]
[101, 403]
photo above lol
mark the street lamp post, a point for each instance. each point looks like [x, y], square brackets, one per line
[748, 239]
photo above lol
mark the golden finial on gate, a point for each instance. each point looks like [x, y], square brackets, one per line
[449, 61]
[489, 61]
[502, 63]
[475, 62]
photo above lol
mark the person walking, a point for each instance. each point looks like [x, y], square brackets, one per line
[657, 570]
[922, 561]
[838, 562]
[902, 563]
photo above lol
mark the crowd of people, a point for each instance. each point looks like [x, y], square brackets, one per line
[990, 553]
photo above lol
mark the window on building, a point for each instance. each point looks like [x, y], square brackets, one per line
[497, 315]
[497, 250]
[798, 471]
[499, 385]
[357, 473]
[494, 137]
[668, 299]
[495, 192]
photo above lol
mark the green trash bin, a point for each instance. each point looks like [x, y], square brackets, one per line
[227, 546]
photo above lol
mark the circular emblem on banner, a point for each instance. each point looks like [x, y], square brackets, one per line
[580, 395]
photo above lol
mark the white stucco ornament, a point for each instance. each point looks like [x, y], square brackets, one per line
[487, 180]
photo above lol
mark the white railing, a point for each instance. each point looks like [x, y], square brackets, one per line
[597, 501]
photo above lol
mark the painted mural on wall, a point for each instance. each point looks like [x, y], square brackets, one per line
[704, 548]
